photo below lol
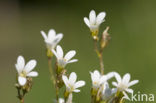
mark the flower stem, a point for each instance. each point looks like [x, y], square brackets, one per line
[100, 55]
[53, 79]
[20, 96]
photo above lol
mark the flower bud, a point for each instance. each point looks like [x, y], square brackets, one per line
[105, 38]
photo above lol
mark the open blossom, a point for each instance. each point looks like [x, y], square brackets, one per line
[63, 61]
[51, 39]
[71, 84]
[25, 71]
[94, 22]
[98, 79]
[124, 83]
[107, 92]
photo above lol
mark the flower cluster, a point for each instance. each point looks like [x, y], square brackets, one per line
[100, 90]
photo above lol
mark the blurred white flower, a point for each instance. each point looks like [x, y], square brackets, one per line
[63, 61]
[25, 71]
[94, 22]
[107, 92]
[61, 100]
[71, 84]
[51, 39]
[98, 79]
[124, 84]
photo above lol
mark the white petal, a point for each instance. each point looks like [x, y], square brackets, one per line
[59, 51]
[44, 35]
[118, 77]
[30, 65]
[76, 90]
[20, 64]
[126, 78]
[51, 34]
[133, 82]
[95, 76]
[129, 90]
[55, 53]
[103, 79]
[115, 84]
[72, 61]
[61, 100]
[92, 17]
[100, 18]
[79, 84]
[87, 21]
[22, 80]
[110, 75]
[65, 80]
[70, 54]
[57, 39]
[72, 78]
[32, 74]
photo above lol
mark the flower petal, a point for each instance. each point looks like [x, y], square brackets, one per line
[32, 74]
[59, 51]
[100, 18]
[118, 77]
[70, 54]
[30, 65]
[65, 80]
[57, 39]
[72, 78]
[126, 78]
[73, 60]
[110, 75]
[129, 90]
[133, 82]
[51, 34]
[22, 80]
[44, 35]
[92, 17]
[79, 84]
[76, 90]
[55, 53]
[87, 21]
[103, 79]
[20, 64]
[95, 76]
[115, 84]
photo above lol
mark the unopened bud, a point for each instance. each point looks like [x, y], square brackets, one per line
[105, 38]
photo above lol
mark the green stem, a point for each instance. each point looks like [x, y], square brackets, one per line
[53, 79]
[100, 56]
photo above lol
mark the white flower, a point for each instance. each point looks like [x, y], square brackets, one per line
[94, 22]
[52, 39]
[71, 84]
[63, 61]
[124, 84]
[61, 100]
[25, 71]
[98, 79]
[107, 92]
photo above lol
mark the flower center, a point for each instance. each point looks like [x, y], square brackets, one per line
[23, 73]
[122, 86]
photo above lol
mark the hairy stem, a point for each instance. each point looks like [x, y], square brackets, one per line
[100, 55]
[53, 79]
[20, 96]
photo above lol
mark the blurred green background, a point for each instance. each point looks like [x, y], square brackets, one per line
[132, 48]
